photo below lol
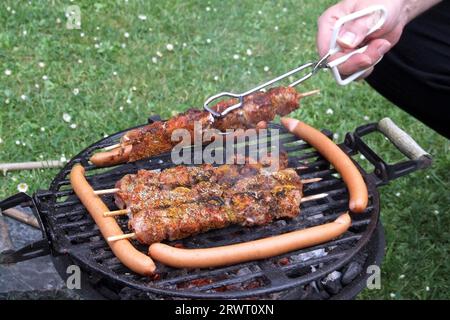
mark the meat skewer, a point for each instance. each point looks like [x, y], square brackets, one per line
[115, 190]
[155, 138]
[133, 234]
[170, 205]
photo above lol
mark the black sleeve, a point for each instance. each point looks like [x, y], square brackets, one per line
[415, 74]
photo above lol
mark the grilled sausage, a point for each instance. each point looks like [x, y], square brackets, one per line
[252, 250]
[341, 162]
[123, 249]
[114, 156]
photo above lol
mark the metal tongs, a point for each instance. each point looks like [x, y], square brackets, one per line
[313, 66]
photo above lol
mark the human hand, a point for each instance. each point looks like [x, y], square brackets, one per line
[354, 33]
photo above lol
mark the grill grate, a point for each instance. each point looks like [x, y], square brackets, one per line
[72, 227]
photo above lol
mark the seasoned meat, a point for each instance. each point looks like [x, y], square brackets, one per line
[206, 198]
[155, 138]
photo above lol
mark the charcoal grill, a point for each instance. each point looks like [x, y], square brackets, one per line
[72, 238]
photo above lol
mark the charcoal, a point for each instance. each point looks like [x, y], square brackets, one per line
[332, 283]
[351, 272]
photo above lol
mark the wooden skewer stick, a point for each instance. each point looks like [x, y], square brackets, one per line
[106, 191]
[116, 213]
[114, 190]
[309, 93]
[306, 181]
[113, 146]
[121, 237]
[314, 197]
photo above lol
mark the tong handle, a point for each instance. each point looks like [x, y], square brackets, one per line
[334, 46]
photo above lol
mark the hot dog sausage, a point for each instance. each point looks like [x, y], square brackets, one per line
[111, 157]
[248, 251]
[341, 162]
[123, 249]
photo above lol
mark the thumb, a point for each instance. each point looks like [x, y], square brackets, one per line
[353, 33]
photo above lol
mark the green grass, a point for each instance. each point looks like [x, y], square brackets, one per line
[416, 220]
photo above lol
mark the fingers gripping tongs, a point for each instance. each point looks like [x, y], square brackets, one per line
[314, 67]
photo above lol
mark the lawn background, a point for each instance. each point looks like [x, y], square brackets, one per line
[119, 85]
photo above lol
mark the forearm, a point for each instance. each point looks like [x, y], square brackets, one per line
[413, 8]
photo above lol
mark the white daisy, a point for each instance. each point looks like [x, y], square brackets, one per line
[67, 117]
[128, 101]
[259, 12]
[276, 28]
[123, 45]
[142, 17]
[73, 125]
[24, 32]
[392, 295]
[235, 56]
[216, 78]
[7, 101]
[285, 9]
[159, 54]
[169, 47]
[44, 77]
[76, 91]
[335, 136]
[184, 44]
[436, 211]
[82, 34]
[427, 288]
[266, 68]
[126, 35]
[18, 142]
[362, 157]
[134, 88]
[114, 73]
[63, 158]
[329, 111]
[366, 118]
[42, 129]
[22, 187]
[1, 140]
[249, 52]
[154, 59]
[121, 108]
[80, 61]
[208, 9]
[402, 276]
[208, 40]
[58, 20]
[23, 97]
[41, 64]
[8, 72]
[398, 194]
